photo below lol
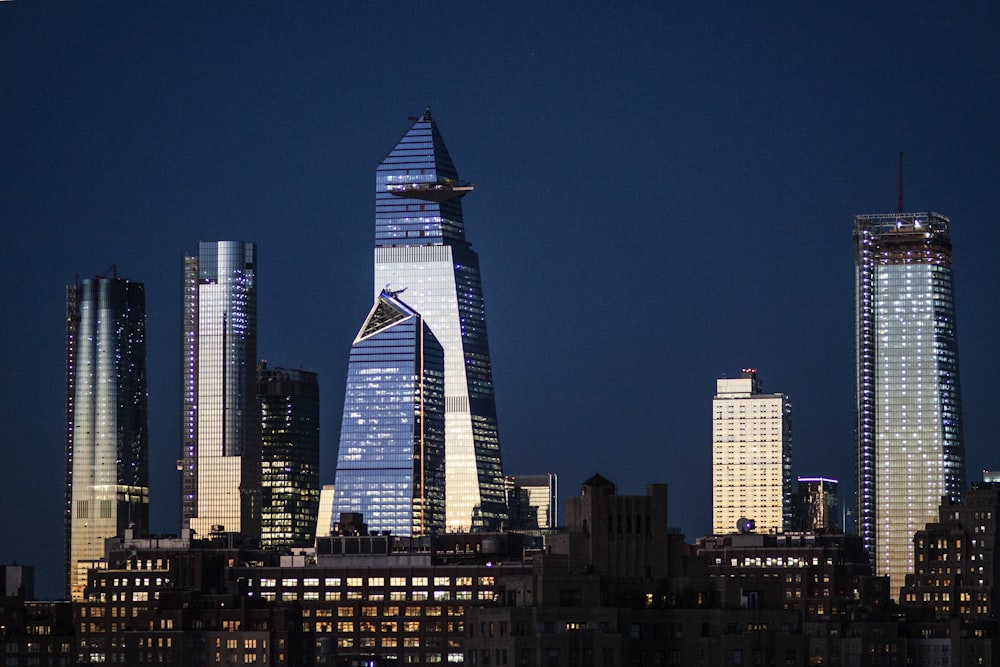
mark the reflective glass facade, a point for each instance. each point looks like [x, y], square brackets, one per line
[910, 449]
[390, 466]
[289, 410]
[220, 450]
[751, 456]
[420, 247]
[107, 473]
[532, 501]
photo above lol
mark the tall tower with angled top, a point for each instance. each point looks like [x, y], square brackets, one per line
[421, 253]
[390, 466]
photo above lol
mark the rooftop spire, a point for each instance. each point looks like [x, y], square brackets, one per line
[900, 183]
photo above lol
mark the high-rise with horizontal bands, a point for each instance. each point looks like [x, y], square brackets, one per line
[221, 447]
[422, 255]
[910, 449]
[390, 466]
[751, 456]
[107, 472]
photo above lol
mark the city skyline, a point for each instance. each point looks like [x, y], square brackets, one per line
[663, 195]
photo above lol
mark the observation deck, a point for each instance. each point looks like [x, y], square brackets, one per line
[434, 192]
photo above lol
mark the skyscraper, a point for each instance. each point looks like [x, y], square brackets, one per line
[751, 456]
[289, 408]
[390, 466]
[220, 450]
[420, 248]
[910, 450]
[107, 474]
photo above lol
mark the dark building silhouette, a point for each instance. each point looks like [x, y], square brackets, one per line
[289, 409]
[815, 505]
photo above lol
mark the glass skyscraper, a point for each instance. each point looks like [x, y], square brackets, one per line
[390, 466]
[107, 473]
[220, 449]
[909, 413]
[289, 409]
[420, 247]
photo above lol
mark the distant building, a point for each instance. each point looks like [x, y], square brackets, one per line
[17, 580]
[107, 438]
[220, 452]
[623, 536]
[815, 506]
[910, 450]
[391, 461]
[324, 517]
[289, 408]
[991, 475]
[751, 456]
[532, 501]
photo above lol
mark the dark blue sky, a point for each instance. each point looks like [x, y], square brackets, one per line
[664, 195]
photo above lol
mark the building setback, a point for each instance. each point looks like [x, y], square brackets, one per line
[220, 450]
[910, 450]
[289, 409]
[751, 456]
[107, 442]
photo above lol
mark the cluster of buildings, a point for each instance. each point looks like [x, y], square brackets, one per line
[422, 551]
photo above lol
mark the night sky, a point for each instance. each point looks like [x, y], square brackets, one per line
[664, 195]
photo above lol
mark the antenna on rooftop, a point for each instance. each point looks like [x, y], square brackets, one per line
[900, 182]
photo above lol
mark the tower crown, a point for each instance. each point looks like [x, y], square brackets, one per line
[417, 190]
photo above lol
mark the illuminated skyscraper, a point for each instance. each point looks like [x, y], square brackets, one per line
[390, 466]
[420, 247]
[107, 474]
[751, 456]
[289, 405]
[910, 450]
[220, 451]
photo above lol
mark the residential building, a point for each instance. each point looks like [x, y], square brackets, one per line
[751, 456]
[221, 447]
[910, 450]
[956, 565]
[391, 461]
[107, 446]
[421, 254]
[289, 410]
